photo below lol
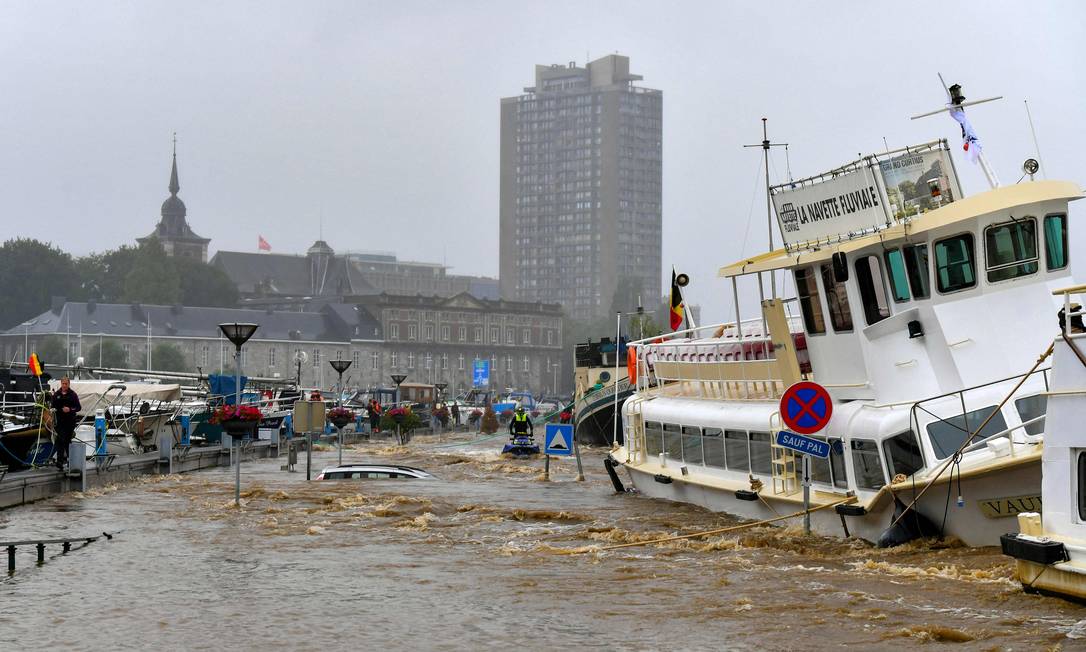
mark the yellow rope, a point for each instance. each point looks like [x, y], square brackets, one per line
[732, 528]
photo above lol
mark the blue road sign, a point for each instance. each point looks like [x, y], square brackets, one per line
[559, 439]
[805, 445]
[806, 407]
[480, 373]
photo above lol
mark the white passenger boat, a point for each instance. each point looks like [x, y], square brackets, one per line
[927, 316]
[1050, 548]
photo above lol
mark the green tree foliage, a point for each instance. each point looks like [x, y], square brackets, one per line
[50, 350]
[153, 277]
[489, 423]
[167, 357]
[31, 274]
[102, 276]
[107, 354]
[204, 285]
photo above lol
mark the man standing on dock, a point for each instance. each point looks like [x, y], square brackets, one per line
[67, 407]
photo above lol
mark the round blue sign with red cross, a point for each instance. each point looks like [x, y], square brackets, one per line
[806, 407]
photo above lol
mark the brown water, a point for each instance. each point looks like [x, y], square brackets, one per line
[479, 558]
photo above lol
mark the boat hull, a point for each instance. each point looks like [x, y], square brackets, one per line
[25, 447]
[595, 421]
[968, 523]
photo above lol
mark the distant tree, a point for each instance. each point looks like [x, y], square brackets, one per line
[102, 276]
[166, 357]
[204, 285]
[31, 274]
[153, 277]
[50, 350]
[107, 354]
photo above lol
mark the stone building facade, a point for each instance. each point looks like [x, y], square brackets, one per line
[430, 339]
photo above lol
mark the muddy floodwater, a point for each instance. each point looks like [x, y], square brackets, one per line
[480, 558]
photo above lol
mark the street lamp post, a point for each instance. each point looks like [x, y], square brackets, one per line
[398, 379]
[340, 366]
[618, 337]
[238, 334]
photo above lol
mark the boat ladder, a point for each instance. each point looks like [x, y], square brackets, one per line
[784, 462]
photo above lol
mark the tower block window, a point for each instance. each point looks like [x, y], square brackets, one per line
[872, 289]
[807, 291]
[954, 267]
[1011, 249]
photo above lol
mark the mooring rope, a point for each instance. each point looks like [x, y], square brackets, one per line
[733, 528]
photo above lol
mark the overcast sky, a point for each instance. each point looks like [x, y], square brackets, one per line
[383, 117]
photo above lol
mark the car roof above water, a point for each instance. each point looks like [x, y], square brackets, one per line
[378, 468]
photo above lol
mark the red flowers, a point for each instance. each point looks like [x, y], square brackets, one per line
[235, 413]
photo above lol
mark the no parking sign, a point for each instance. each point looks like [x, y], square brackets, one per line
[806, 407]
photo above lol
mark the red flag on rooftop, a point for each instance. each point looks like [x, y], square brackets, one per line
[262, 244]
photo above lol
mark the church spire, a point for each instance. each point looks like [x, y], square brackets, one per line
[174, 185]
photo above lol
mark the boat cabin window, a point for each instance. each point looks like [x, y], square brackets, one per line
[903, 454]
[947, 435]
[760, 455]
[895, 271]
[712, 443]
[1055, 242]
[1081, 488]
[692, 445]
[735, 446]
[831, 470]
[837, 300]
[866, 462]
[1011, 249]
[673, 441]
[916, 264]
[807, 292]
[654, 437]
[1031, 407]
[872, 289]
[954, 269]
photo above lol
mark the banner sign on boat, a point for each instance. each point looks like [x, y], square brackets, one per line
[916, 182]
[559, 439]
[866, 195]
[801, 444]
[846, 203]
[806, 407]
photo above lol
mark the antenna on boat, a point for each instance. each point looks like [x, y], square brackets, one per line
[765, 145]
[1036, 147]
[970, 143]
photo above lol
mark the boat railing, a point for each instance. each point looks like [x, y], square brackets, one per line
[739, 367]
[962, 410]
[1006, 432]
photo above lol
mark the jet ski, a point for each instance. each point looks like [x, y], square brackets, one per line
[521, 446]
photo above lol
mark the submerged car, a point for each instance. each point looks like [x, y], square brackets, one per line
[372, 472]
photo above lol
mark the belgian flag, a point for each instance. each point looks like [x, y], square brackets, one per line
[678, 309]
[34, 364]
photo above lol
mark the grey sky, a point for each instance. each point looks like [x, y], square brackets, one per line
[384, 116]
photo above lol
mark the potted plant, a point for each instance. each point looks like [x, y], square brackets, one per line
[489, 423]
[238, 421]
[442, 415]
[402, 419]
[340, 416]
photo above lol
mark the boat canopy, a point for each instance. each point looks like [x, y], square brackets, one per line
[91, 392]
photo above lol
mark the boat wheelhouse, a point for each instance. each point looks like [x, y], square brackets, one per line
[928, 327]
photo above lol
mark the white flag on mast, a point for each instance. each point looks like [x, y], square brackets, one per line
[970, 142]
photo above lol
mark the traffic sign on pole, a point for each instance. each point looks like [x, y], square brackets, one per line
[804, 445]
[806, 407]
[558, 439]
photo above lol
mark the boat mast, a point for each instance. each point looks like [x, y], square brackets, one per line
[956, 102]
[765, 145]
